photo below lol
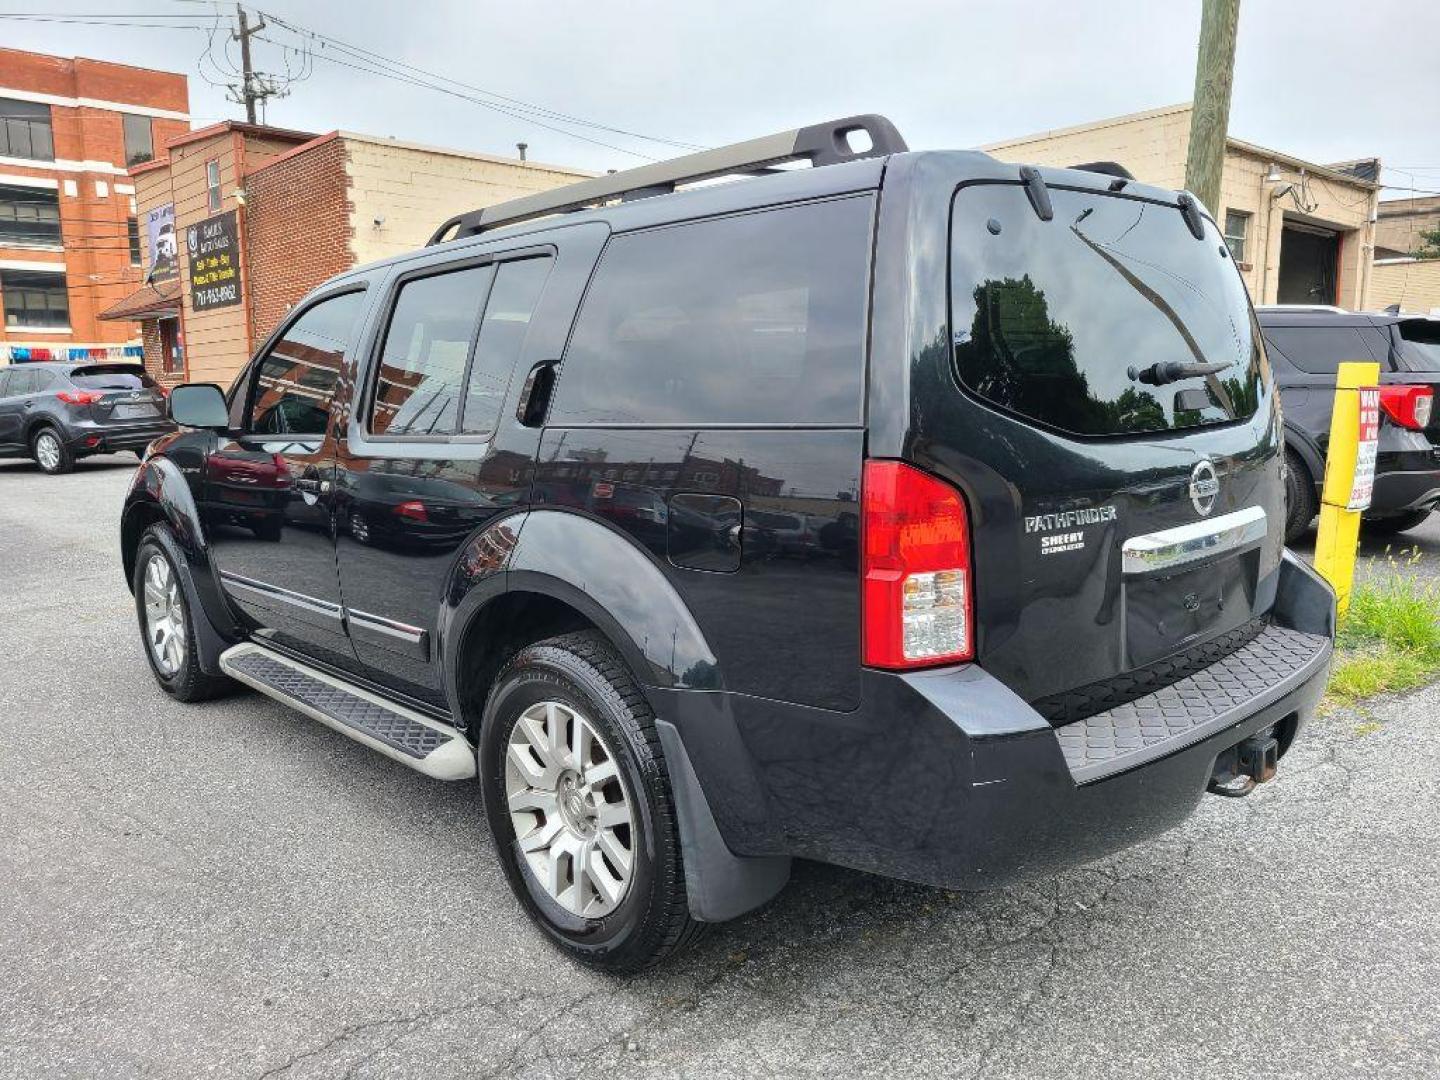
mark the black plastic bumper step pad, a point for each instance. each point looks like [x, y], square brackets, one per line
[1190, 709]
[392, 728]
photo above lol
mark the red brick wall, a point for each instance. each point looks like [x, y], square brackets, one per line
[297, 220]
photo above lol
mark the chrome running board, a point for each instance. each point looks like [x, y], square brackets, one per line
[428, 746]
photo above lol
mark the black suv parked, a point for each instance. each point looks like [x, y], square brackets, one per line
[1306, 347]
[916, 513]
[56, 412]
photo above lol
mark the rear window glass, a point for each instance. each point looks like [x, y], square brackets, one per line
[751, 319]
[1066, 322]
[1422, 344]
[127, 377]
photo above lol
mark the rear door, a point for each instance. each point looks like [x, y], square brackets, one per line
[269, 488]
[1106, 406]
[1315, 353]
[432, 451]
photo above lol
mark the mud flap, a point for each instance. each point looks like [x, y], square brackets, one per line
[719, 884]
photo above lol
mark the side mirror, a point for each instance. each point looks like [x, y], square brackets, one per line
[199, 405]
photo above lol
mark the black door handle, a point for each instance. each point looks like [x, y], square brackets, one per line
[535, 395]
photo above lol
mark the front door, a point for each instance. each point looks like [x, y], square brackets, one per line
[13, 383]
[268, 491]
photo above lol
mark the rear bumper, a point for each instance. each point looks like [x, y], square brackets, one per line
[1406, 481]
[92, 438]
[948, 778]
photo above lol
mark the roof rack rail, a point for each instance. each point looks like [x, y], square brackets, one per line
[1330, 309]
[821, 144]
[1106, 168]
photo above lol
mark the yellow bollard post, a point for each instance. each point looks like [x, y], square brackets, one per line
[1349, 475]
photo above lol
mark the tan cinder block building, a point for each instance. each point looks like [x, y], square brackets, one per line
[284, 211]
[1301, 232]
[1398, 276]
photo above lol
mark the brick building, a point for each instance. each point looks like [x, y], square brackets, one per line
[70, 129]
[274, 213]
[1300, 232]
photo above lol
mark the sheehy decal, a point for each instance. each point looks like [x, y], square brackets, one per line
[1059, 532]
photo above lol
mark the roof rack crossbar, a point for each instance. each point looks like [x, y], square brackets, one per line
[821, 144]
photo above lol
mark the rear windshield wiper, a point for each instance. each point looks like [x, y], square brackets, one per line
[1169, 371]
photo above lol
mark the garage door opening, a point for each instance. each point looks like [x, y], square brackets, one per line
[1309, 260]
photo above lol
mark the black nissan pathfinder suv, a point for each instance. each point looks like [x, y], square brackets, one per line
[913, 512]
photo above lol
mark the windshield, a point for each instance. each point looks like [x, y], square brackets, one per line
[1422, 344]
[1109, 319]
[114, 377]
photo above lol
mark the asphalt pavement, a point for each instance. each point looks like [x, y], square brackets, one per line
[232, 890]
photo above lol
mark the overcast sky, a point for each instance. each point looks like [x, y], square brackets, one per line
[1325, 80]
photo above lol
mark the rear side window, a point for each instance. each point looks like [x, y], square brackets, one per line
[1318, 350]
[752, 319]
[427, 345]
[1421, 344]
[295, 383]
[1067, 322]
[502, 337]
[113, 377]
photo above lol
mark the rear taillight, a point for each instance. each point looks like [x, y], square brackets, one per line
[414, 510]
[1408, 406]
[79, 397]
[916, 605]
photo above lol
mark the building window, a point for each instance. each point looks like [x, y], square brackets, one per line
[25, 130]
[132, 233]
[212, 184]
[34, 300]
[1237, 227]
[172, 347]
[29, 216]
[139, 144]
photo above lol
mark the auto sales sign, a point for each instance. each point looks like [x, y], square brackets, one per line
[214, 254]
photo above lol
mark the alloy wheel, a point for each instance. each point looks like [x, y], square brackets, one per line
[164, 616]
[573, 817]
[47, 451]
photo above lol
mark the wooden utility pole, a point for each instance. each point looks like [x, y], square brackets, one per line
[250, 90]
[1210, 117]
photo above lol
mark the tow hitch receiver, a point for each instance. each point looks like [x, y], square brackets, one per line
[1240, 768]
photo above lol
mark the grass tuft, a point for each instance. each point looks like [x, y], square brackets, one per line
[1389, 640]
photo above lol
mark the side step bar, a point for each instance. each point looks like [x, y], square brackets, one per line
[429, 746]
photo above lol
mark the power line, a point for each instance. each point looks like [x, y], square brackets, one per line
[519, 104]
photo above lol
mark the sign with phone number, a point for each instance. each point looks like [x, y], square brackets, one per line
[214, 253]
[1362, 488]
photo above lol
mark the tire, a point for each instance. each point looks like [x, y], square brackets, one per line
[1301, 504]
[50, 452]
[581, 674]
[177, 670]
[1393, 524]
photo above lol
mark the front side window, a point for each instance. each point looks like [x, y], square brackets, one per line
[29, 216]
[139, 144]
[1110, 319]
[212, 185]
[502, 336]
[34, 300]
[757, 318]
[1237, 228]
[295, 382]
[25, 130]
[427, 344]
